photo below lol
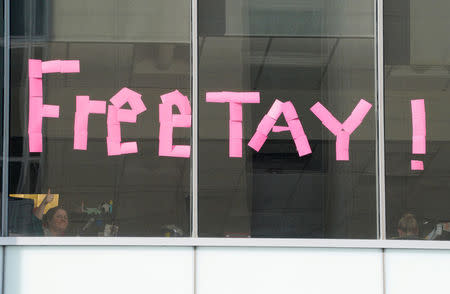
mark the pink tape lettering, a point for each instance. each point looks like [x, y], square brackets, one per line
[419, 131]
[116, 115]
[236, 99]
[294, 126]
[37, 109]
[84, 107]
[342, 131]
[168, 121]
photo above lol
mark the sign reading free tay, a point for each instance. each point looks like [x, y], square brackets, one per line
[168, 120]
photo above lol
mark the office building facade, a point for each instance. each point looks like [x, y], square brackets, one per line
[220, 146]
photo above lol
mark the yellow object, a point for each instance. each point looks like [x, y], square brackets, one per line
[38, 198]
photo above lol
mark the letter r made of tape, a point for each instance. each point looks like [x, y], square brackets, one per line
[37, 109]
[342, 131]
[235, 100]
[267, 124]
[116, 115]
[84, 107]
[168, 120]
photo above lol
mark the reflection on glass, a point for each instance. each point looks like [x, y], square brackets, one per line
[304, 52]
[141, 45]
[417, 60]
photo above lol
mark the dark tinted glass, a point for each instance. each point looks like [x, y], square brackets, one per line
[304, 52]
[417, 60]
[141, 45]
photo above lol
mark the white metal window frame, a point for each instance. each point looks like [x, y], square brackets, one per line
[224, 242]
[381, 242]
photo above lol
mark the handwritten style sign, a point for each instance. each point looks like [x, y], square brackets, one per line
[294, 126]
[342, 131]
[84, 107]
[168, 120]
[419, 131]
[236, 99]
[116, 115]
[37, 109]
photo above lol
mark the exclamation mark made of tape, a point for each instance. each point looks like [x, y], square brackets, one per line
[419, 131]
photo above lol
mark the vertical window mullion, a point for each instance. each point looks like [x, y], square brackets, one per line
[380, 121]
[194, 137]
[6, 40]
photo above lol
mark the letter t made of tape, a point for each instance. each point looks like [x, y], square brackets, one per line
[236, 99]
[37, 109]
[342, 131]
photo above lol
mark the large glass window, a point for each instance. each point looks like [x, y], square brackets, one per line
[287, 119]
[299, 51]
[417, 72]
[140, 45]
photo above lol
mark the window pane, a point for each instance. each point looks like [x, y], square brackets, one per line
[141, 45]
[417, 59]
[304, 52]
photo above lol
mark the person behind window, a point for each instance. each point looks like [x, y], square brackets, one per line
[55, 222]
[37, 228]
[39, 211]
[408, 227]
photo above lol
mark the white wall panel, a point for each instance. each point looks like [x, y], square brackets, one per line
[417, 271]
[288, 270]
[1, 262]
[47, 270]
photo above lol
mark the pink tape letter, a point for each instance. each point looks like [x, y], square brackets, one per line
[168, 121]
[419, 126]
[419, 133]
[37, 109]
[416, 165]
[267, 124]
[236, 99]
[117, 115]
[344, 130]
[83, 109]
